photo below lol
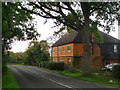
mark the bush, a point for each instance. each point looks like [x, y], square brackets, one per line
[53, 65]
[72, 70]
[77, 61]
[116, 71]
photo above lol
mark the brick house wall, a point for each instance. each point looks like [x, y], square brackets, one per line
[78, 50]
[60, 53]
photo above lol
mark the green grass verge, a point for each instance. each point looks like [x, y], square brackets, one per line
[0, 82]
[8, 80]
[15, 64]
[99, 79]
[93, 78]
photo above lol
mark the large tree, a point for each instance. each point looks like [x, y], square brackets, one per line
[17, 24]
[76, 15]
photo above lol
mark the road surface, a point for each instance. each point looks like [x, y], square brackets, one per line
[33, 77]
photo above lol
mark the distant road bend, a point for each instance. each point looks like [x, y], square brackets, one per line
[33, 77]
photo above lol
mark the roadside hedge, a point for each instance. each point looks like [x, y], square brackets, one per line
[60, 66]
[116, 71]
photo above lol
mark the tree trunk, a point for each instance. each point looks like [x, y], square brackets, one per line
[87, 55]
[86, 39]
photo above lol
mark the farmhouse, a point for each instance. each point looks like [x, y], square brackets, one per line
[70, 48]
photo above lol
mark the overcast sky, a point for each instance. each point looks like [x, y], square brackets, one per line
[46, 31]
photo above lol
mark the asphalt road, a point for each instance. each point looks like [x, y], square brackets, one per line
[33, 77]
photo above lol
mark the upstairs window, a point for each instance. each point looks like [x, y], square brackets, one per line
[68, 48]
[115, 48]
[63, 49]
[53, 50]
[58, 50]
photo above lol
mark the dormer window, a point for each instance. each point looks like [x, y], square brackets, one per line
[115, 48]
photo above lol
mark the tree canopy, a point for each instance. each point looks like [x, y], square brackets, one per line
[73, 14]
[17, 24]
[37, 52]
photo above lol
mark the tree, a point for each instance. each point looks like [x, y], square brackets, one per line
[77, 17]
[56, 36]
[14, 57]
[37, 52]
[16, 24]
[44, 46]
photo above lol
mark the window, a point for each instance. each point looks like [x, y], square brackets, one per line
[68, 48]
[54, 60]
[115, 48]
[58, 50]
[63, 49]
[69, 61]
[53, 50]
[61, 60]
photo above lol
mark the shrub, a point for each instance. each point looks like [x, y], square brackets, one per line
[77, 61]
[72, 69]
[53, 65]
[116, 71]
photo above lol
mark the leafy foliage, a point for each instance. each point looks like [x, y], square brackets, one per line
[17, 24]
[37, 52]
[15, 57]
[74, 16]
[60, 66]
[116, 71]
[76, 61]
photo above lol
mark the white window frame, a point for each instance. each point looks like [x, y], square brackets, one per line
[53, 50]
[69, 47]
[63, 49]
[61, 60]
[115, 48]
[54, 60]
[69, 61]
[58, 49]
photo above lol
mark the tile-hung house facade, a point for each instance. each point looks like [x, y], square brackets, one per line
[70, 48]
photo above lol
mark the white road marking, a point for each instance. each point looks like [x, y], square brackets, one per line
[59, 83]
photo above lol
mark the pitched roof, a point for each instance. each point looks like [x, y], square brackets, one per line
[76, 37]
[109, 39]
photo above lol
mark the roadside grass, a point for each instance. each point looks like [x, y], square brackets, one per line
[100, 79]
[15, 64]
[94, 78]
[8, 80]
[0, 82]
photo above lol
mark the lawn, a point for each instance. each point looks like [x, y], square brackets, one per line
[8, 80]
